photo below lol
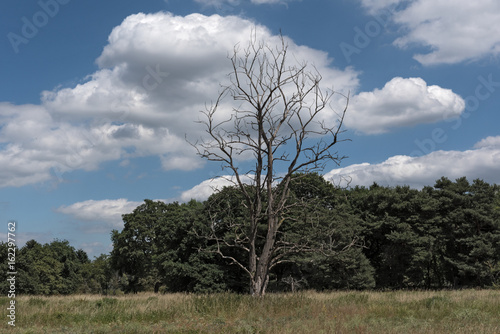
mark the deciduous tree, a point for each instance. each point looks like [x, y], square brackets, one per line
[278, 123]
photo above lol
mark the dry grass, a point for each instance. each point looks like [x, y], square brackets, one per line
[466, 311]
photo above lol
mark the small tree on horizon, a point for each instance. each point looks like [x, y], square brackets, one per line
[276, 125]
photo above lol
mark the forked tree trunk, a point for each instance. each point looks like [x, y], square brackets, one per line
[258, 285]
[259, 282]
[260, 278]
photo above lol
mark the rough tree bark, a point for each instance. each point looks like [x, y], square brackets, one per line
[276, 122]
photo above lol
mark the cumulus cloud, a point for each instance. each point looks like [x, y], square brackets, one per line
[203, 190]
[492, 142]
[206, 188]
[37, 147]
[100, 216]
[481, 162]
[106, 211]
[453, 31]
[402, 102]
[34, 144]
[155, 74]
[188, 66]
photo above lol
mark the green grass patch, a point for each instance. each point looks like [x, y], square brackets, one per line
[467, 311]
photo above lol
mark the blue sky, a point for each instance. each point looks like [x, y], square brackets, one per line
[97, 96]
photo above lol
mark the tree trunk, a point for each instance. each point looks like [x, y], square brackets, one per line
[260, 279]
[258, 285]
[259, 268]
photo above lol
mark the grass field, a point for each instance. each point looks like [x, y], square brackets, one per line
[466, 311]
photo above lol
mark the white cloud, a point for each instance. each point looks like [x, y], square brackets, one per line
[156, 73]
[100, 216]
[491, 142]
[106, 211]
[481, 162]
[402, 102]
[182, 72]
[202, 191]
[37, 146]
[453, 31]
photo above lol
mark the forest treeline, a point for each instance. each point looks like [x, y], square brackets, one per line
[441, 236]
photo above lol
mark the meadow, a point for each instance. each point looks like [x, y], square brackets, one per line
[463, 311]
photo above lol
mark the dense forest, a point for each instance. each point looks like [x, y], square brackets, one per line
[440, 237]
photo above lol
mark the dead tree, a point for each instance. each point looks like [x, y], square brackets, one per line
[276, 122]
